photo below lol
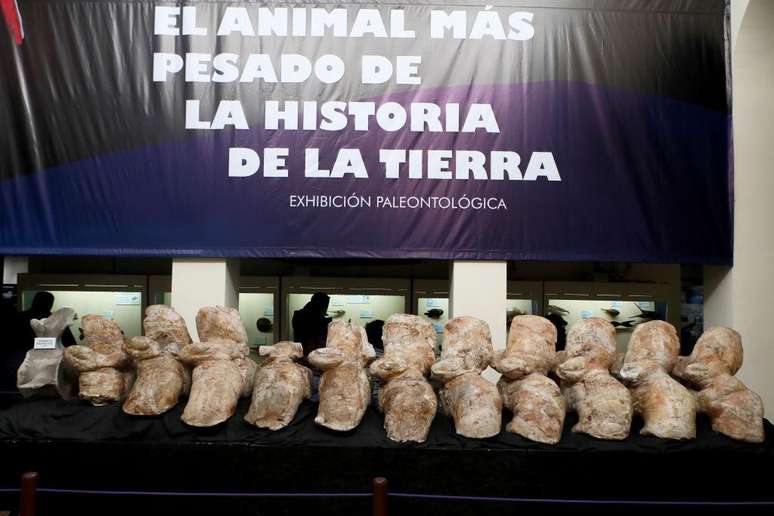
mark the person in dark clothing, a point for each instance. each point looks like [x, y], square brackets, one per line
[310, 324]
[374, 331]
[561, 329]
[21, 338]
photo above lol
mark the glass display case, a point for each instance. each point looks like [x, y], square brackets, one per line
[360, 300]
[523, 298]
[625, 305]
[119, 297]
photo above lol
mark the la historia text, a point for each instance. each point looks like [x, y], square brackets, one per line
[399, 163]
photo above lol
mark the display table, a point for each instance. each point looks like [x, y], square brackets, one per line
[76, 446]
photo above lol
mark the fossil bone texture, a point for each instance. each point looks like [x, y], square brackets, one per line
[603, 404]
[43, 370]
[161, 378]
[535, 400]
[473, 402]
[538, 407]
[100, 361]
[406, 397]
[345, 389]
[222, 369]
[734, 409]
[668, 408]
[531, 348]
[219, 322]
[280, 386]
[167, 327]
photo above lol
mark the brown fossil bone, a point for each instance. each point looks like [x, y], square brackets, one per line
[668, 408]
[734, 409]
[536, 401]
[222, 369]
[280, 386]
[161, 378]
[603, 404]
[406, 397]
[100, 361]
[345, 389]
[473, 402]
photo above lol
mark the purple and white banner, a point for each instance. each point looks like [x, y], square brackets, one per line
[525, 130]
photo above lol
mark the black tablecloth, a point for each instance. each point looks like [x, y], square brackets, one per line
[74, 445]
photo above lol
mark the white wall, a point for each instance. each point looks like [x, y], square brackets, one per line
[479, 289]
[743, 297]
[738, 7]
[203, 282]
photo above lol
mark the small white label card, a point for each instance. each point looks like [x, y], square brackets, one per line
[45, 343]
[127, 298]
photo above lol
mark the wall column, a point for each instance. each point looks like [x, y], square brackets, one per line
[480, 289]
[742, 297]
[199, 282]
[12, 267]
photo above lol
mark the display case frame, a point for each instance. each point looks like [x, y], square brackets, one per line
[527, 290]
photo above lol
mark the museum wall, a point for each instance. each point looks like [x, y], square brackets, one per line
[742, 297]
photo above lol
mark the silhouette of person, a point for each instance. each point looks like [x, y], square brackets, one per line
[23, 338]
[374, 331]
[561, 329]
[310, 323]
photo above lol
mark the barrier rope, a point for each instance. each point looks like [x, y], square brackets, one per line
[500, 499]
[577, 501]
[191, 494]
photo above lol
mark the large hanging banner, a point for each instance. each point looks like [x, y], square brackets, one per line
[525, 130]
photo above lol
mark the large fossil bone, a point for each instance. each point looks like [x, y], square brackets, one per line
[100, 360]
[44, 371]
[536, 401]
[473, 402]
[161, 378]
[345, 389]
[222, 369]
[538, 407]
[280, 386]
[734, 409]
[603, 404]
[668, 408]
[406, 397]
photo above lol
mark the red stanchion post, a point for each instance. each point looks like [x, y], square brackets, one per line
[29, 488]
[380, 497]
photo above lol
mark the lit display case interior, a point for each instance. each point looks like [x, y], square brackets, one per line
[358, 308]
[124, 307]
[624, 315]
